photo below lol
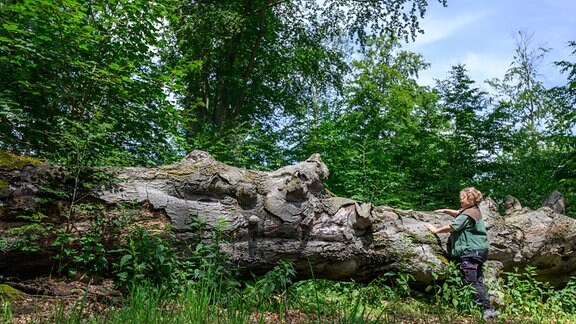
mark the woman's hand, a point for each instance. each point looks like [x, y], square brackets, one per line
[431, 228]
[436, 230]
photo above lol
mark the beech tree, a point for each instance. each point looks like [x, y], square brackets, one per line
[79, 82]
[561, 131]
[386, 135]
[526, 115]
[270, 63]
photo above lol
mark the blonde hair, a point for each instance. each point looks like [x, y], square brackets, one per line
[474, 195]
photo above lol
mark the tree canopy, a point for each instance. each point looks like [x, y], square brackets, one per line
[263, 83]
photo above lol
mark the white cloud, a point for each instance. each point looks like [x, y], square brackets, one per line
[480, 66]
[440, 27]
[481, 35]
[486, 66]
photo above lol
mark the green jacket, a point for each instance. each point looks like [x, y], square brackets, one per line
[469, 232]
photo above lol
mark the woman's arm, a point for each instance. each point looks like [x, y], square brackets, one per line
[443, 229]
[450, 212]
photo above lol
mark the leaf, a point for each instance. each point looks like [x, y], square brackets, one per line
[125, 259]
[122, 276]
[10, 26]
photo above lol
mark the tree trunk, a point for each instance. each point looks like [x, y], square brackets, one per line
[286, 214]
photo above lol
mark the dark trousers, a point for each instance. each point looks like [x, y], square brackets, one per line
[471, 266]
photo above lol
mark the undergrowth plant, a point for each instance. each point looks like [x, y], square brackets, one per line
[450, 291]
[525, 297]
[344, 302]
[203, 260]
[523, 294]
[145, 256]
[563, 300]
[26, 237]
[151, 256]
[6, 312]
[82, 252]
[271, 289]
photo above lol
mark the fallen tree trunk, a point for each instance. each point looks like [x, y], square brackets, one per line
[286, 214]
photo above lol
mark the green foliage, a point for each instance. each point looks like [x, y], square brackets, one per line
[7, 294]
[86, 252]
[145, 256]
[386, 300]
[249, 145]
[206, 262]
[525, 297]
[350, 302]
[146, 304]
[532, 131]
[524, 294]
[399, 282]
[391, 287]
[279, 65]
[151, 257]
[386, 138]
[6, 312]
[28, 237]
[465, 148]
[272, 284]
[79, 78]
[325, 298]
[450, 291]
[51, 192]
[261, 84]
[562, 301]
[561, 130]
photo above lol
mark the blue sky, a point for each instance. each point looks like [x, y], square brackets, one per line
[482, 35]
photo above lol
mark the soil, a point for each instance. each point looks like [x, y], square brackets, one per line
[48, 299]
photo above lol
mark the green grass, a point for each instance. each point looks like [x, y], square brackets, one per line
[206, 292]
[311, 301]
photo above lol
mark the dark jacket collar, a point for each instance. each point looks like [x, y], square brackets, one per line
[472, 211]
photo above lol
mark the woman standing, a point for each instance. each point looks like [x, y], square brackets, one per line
[468, 244]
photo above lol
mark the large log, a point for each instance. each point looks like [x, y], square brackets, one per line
[286, 214]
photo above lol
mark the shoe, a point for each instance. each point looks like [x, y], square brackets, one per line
[490, 313]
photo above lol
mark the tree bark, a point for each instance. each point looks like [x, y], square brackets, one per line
[267, 216]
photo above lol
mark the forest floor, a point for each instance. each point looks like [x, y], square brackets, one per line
[53, 300]
[47, 299]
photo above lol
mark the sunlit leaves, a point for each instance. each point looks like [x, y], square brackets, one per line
[66, 63]
[385, 139]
